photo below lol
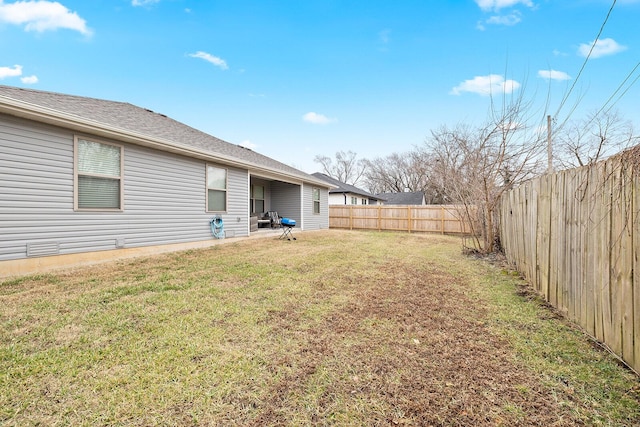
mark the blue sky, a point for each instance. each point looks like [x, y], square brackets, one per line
[296, 79]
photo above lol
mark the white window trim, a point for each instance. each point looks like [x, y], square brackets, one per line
[76, 138]
[253, 198]
[314, 201]
[226, 189]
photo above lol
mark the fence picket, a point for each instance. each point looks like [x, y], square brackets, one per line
[573, 234]
[444, 219]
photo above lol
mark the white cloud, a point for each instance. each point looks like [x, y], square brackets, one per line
[512, 126]
[29, 80]
[602, 47]
[317, 119]
[553, 75]
[248, 144]
[218, 62]
[492, 84]
[495, 5]
[42, 16]
[511, 19]
[14, 71]
[143, 2]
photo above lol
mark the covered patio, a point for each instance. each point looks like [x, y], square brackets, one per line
[268, 197]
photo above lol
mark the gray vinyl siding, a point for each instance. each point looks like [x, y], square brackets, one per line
[285, 199]
[164, 197]
[36, 184]
[313, 221]
[236, 219]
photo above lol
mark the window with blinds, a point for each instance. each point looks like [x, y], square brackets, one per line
[257, 199]
[98, 175]
[216, 189]
[316, 200]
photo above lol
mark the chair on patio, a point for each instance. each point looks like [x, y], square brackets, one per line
[274, 218]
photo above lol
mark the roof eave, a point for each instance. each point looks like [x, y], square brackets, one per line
[58, 118]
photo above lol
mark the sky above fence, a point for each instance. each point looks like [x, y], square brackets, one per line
[296, 79]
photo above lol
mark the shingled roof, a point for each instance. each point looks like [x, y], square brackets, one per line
[406, 198]
[134, 124]
[341, 187]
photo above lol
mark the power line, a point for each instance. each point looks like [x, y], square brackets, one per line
[618, 90]
[584, 64]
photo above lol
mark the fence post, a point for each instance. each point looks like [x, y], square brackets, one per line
[350, 217]
[572, 234]
[389, 217]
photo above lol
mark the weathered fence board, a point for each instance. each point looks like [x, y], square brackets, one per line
[444, 219]
[543, 233]
[635, 266]
[574, 235]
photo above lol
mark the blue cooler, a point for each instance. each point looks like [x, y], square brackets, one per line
[288, 222]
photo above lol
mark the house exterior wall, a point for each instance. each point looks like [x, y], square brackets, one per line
[313, 221]
[339, 199]
[236, 219]
[285, 199]
[164, 197]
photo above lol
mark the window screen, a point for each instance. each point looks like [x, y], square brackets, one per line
[99, 175]
[316, 200]
[257, 199]
[216, 189]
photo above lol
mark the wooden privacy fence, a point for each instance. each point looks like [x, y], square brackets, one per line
[442, 219]
[575, 237]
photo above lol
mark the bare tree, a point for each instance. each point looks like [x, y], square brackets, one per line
[596, 137]
[395, 173]
[399, 172]
[475, 166]
[346, 167]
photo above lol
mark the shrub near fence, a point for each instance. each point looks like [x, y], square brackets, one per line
[444, 219]
[574, 235]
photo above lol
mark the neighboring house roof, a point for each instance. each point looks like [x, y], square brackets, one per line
[407, 198]
[129, 123]
[341, 187]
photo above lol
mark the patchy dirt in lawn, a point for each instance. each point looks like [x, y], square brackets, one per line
[348, 329]
[423, 356]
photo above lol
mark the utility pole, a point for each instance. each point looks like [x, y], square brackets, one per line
[549, 148]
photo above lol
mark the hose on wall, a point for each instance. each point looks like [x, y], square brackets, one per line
[217, 227]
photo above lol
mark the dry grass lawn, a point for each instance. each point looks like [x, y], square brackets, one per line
[337, 328]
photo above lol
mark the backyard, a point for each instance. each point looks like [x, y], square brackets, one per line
[337, 328]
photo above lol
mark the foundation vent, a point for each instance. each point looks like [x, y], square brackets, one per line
[43, 249]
